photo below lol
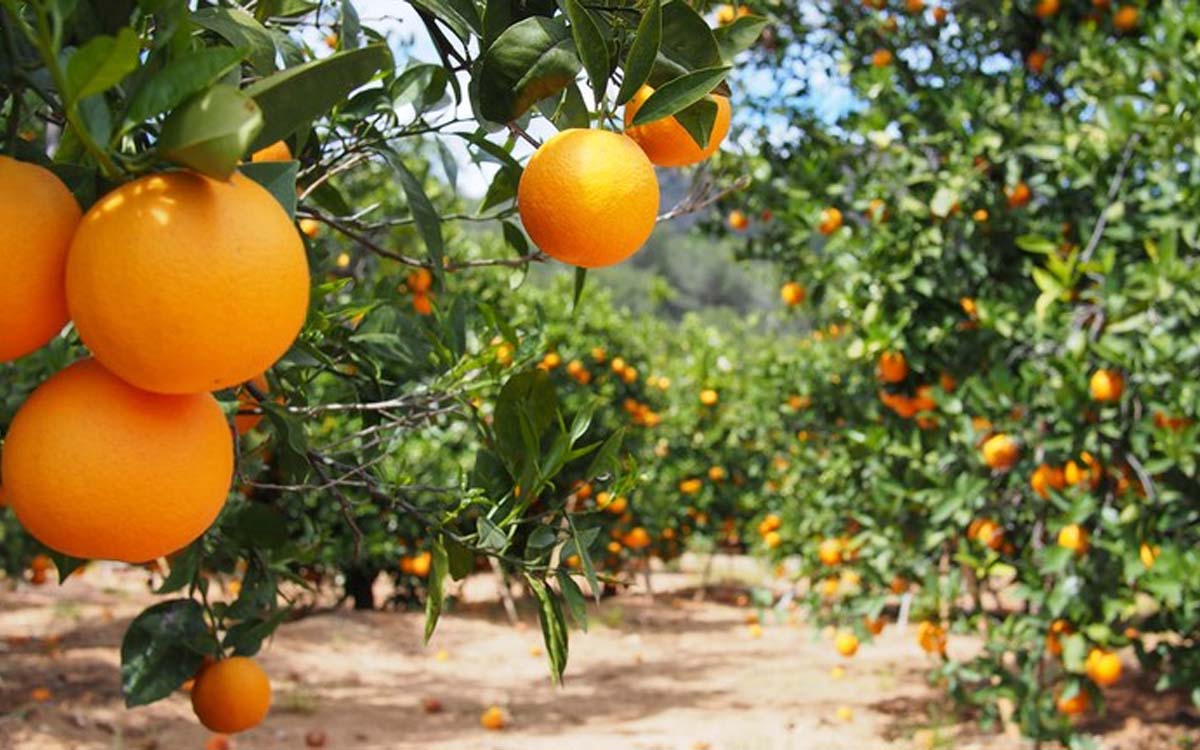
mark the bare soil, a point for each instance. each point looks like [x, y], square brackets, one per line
[653, 673]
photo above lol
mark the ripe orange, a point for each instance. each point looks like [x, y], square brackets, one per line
[892, 367]
[831, 221]
[419, 281]
[881, 58]
[1036, 61]
[231, 695]
[580, 181]
[738, 221]
[939, 15]
[1125, 19]
[666, 142]
[1073, 537]
[277, 151]
[1106, 385]
[690, 486]
[1045, 478]
[637, 538]
[1075, 705]
[1148, 554]
[493, 719]
[914, 6]
[772, 539]
[931, 637]
[829, 552]
[39, 216]
[846, 644]
[310, 228]
[874, 626]
[423, 304]
[792, 293]
[1019, 195]
[1046, 8]
[420, 564]
[1103, 667]
[709, 397]
[1001, 452]
[147, 473]
[182, 284]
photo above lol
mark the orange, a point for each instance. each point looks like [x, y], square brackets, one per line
[939, 15]
[1148, 554]
[493, 719]
[874, 626]
[1075, 705]
[310, 228]
[914, 6]
[1045, 478]
[422, 304]
[690, 486]
[772, 539]
[39, 216]
[1106, 385]
[709, 397]
[881, 58]
[231, 695]
[666, 142]
[1125, 19]
[1036, 62]
[1073, 537]
[582, 181]
[277, 151]
[1019, 195]
[1046, 8]
[181, 284]
[831, 221]
[829, 552]
[421, 564]
[94, 467]
[931, 637]
[846, 643]
[246, 400]
[717, 473]
[738, 220]
[1103, 667]
[770, 523]
[892, 367]
[792, 294]
[1000, 452]
[419, 281]
[637, 538]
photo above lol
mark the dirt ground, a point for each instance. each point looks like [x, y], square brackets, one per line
[662, 673]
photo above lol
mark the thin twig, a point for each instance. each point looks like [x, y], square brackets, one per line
[1113, 191]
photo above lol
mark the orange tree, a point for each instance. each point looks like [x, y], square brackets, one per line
[1003, 212]
[271, 233]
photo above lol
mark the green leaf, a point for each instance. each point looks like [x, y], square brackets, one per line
[698, 120]
[687, 44]
[240, 29]
[160, 650]
[739, 36]
[211, 132]
[183, 569]
[679, 93]
[1033, 243]
[434, 592]
[498, 15]
[279, 178]
[531, 60]
[576, 602]
[350, 34]
[639, 63]
[554, 627]
[460, 559]
[607, 457]
[529, 396]
[490, 536]
[592, 48]
[422, 85]
[101, 64]
[180, 79]
[258, 526]
[429, 222]
[292, 98]
[246, 637]
[580, 282]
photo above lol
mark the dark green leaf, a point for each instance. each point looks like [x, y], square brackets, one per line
[642, 53]
[739, 36]
[429, 222]
[279, 178]
[240, 29]
[576, 603]
[292, 98]
[681, 92]
[159, 652]
[531, 60]
[180, 79]
[460, 560]
[258, 526]
[434, 593]
[592, 48]
[554, 627]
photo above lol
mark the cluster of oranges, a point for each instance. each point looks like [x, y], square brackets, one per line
[577, 179]
[892, 369]
[179, 285]
[420, 282]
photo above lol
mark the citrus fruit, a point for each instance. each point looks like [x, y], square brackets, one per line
[277, 151]
[243, 423]
[1000, 452]
[588, 197]
[231, 695]
[666, 142]
[1106, 385]
[892, 367]
[39, 216]
[846, 644]
[96, 468]
[181, 284]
